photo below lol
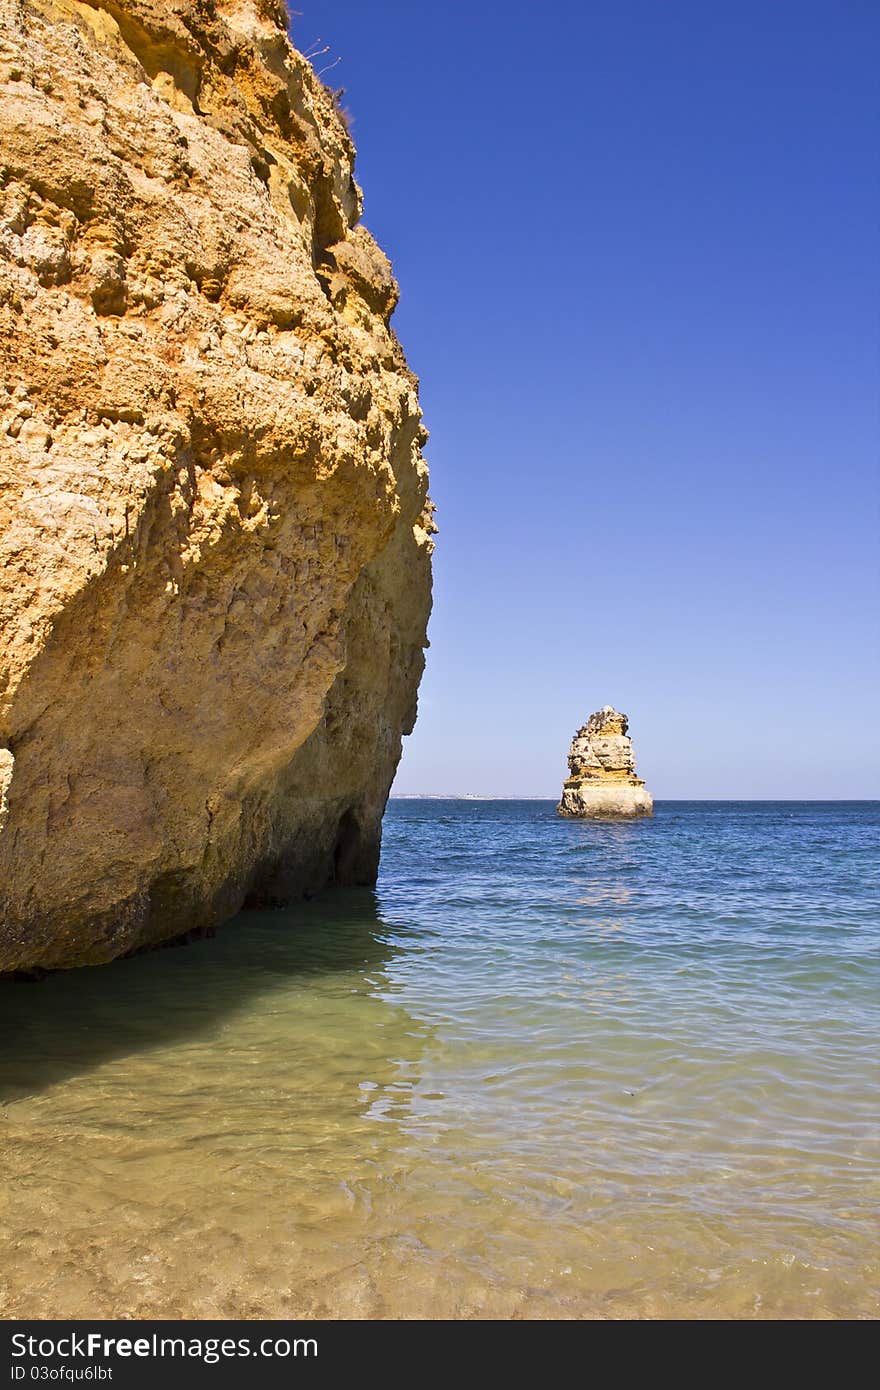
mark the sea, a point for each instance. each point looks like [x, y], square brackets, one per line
[547, 1069]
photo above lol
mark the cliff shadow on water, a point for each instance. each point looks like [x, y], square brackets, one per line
[72, 1022]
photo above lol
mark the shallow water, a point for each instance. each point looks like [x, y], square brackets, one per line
[549, 1069]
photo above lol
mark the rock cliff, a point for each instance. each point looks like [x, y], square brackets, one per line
[214, 519]
[603, 779]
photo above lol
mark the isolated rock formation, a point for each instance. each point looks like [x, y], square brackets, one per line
[603, 779]
[215, 532]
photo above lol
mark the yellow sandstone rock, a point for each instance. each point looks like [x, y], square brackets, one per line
[214, 519]
[603, 780]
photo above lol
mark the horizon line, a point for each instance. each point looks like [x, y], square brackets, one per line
[510, 796]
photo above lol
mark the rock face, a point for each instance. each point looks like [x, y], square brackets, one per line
[603, 780]
[215, 530]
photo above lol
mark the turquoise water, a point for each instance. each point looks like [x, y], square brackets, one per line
[549, 1069]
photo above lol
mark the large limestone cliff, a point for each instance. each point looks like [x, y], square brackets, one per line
[215, 528]
[602, 779]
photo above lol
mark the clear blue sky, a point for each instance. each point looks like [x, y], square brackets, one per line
[638, 250]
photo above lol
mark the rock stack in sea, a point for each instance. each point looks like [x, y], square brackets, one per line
[601, 764]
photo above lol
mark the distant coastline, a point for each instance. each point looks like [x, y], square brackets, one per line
[469, 796]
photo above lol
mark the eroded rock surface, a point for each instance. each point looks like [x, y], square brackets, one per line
[213, 510]
[601, 764]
